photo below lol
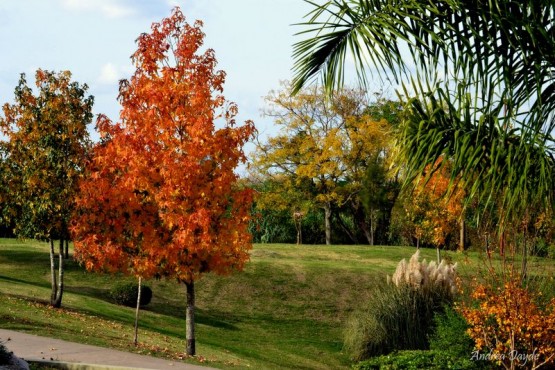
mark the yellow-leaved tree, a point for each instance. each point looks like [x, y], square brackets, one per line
[320, 156]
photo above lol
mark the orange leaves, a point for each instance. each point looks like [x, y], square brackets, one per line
[433, 210]
[161, 187]
[508, 321]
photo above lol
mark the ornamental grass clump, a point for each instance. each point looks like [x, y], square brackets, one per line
[400, 314]
[428, 277]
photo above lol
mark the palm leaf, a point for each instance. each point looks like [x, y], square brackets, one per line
[492, 112]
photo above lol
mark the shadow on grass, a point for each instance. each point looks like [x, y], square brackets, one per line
[97, 293]
[216, 320]
[101, 294]
[35, 259]
[26, 256]
[19, 281]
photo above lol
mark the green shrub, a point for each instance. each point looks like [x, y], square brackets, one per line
[126, 294]
[450, 334]
[5, 355]
[416, 360]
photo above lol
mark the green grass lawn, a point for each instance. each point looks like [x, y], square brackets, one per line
[286, 310]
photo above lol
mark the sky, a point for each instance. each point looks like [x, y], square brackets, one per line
[94, 39]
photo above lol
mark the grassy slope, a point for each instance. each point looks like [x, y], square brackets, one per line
[286, 310]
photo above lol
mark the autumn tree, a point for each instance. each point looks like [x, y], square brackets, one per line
[320, 156]
[436, 210]
[43, 155]
[161, 195]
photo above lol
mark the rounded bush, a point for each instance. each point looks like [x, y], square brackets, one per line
[126, 294]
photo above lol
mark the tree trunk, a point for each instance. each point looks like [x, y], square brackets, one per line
[345, 228]
[438, 256]
[57, 284]
[364, 227]
[136, 337]
[372, 226]
[298, 220]
[66, 255]
[462, 244]
[190, 319]
[361, 220]
[54, 292]
[60, 291]
[327, 223]
[524, 267]
[366, 232]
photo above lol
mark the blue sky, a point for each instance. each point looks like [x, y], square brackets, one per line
[95, 38]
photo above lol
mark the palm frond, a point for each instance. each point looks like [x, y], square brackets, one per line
[492, 112]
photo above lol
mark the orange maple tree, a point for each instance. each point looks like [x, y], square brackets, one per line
[161, 196]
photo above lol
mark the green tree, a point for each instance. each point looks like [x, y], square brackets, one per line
[481, 77]
[378, 195]
[42, 159]
[320, 157]
[380, 184]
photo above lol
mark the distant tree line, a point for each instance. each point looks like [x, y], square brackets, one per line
[332, 175]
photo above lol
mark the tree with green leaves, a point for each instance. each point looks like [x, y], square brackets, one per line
[477, 77]
[42, 159]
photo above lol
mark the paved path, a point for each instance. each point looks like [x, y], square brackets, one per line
[33, 347]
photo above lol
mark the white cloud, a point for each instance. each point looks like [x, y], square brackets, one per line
[109, 8]
[174, 3]
[109, 74]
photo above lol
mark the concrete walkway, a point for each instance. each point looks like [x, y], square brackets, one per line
[35, 348]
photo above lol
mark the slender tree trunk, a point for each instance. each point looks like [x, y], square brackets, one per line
[54, 292]
[66, 249]
[438, 256]
[298, 220]
[350, 234]
[364, 227]
[190, 318]
[327, 223]
[524, 267]
[57, 303]
[136, 338]
[367, 233]
[462, 236]
[372, 227]
[361, 220]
